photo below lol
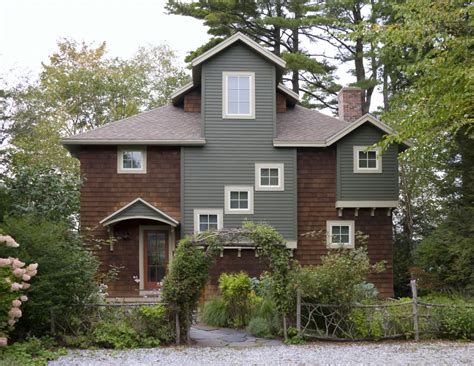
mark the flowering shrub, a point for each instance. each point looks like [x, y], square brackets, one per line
[14, 277]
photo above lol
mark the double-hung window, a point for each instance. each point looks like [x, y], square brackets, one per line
[340, 234]
[238, 95]
[238, 199]
[207, 220]
[269, 177]
[131, 160]
[367, 159]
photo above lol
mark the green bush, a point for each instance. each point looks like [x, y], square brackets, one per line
[214, 313]
[32, 352]
[456, 322]
[155, 323]
[67, 271]
[236, 290]
[260, 327]
[117, 335]
[340, 279]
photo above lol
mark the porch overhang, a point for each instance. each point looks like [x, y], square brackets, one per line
[139, 209]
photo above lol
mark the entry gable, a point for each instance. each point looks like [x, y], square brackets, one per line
[139, 209]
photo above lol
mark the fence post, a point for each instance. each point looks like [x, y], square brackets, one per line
[415, 309]
[53, 323]
[178, 328]
[298, 311]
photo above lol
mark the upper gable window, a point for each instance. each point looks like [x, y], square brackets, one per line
[367, 160]
[131, 160]
[238, 95]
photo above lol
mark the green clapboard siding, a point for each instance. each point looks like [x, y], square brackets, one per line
[234, 146]
[364, 186]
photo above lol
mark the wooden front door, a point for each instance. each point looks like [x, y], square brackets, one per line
[155, 251]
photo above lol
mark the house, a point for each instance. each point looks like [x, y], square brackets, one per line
[234, 144]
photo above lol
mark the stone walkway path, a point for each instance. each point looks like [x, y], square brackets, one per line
[206, 336]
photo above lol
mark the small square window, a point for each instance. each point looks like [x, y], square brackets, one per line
[269, 177]
[238, 199]
[367, 160]
[238, 100]
[340, 234]
[207, 220]
[131, 160]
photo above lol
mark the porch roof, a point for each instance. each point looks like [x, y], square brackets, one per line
[139, 209]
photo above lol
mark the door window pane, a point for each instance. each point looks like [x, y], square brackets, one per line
[156, 257]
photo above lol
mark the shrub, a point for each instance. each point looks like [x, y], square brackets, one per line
[116, 335]
[155, 323]
[214, 313]
[32, 352]
[340, 279]
[260, 327]
[456, 322]
[67, 272]
[236, 290]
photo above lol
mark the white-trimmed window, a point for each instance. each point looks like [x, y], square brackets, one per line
[367, 159]
[238, 199]
[238, 95]
[340, 234]
[131, 160]
[207, 219]
[269, 177]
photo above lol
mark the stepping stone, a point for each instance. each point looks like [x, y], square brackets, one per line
[211, 343]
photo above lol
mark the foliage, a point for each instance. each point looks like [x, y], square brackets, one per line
[118, 335]
[14, 278]
[187, 275]
[236, 291]
[67, 276]
[339, 279]
[155, 323]
[215, 313]
[260, 327]
[455, 322]
[31, 352]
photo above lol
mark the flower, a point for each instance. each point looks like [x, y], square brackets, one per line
[11, 322]
[14, 313]
[25, 285]
[26, 277]
[4, 262]
[24, 298]
[16, 286]
[18, 272]
[17, 263]
[16, 303]
[3, 341]
[9, 241]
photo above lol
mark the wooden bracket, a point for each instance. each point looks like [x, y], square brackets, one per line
[356, 211]
[239, 252]
[389, 211]
[222, 253]
[372, 211]
[291, 253]
[339, 211]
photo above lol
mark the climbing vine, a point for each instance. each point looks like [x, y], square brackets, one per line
[194, 256]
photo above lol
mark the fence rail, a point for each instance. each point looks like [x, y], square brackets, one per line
[357, 322]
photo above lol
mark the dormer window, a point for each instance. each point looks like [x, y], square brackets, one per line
[367, 159]
[131, 160]
[238, 95]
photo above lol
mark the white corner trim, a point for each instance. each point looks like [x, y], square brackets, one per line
[292, 244]
[232, 39]
[366, 204]
[172, 221]
[225, 91]
[330, 224]
[121, 169]
[230, 211]
[378, 160]
[281, 176]
[208, 211]
[283, 88]
[141, 259]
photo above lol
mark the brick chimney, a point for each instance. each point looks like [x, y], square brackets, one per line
[350, 103]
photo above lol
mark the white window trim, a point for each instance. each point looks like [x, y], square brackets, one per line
[225, 76]
[121, 170]
[235, 211]
[330, 224]
[378, 163]
[208, 211]
[281, 176]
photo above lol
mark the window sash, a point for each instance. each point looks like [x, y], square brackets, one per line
[132, 159]
[238, 94]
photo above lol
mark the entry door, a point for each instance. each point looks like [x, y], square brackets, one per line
[156, 257]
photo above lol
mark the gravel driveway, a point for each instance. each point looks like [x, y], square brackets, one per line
[403, 353]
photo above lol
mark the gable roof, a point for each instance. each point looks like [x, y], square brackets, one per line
[303, 127]
[167, 125]
[139, 209]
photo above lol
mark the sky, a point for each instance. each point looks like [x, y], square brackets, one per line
[30, 29]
